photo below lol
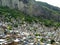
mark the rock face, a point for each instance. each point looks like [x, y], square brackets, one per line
[19, 4]
[32, 7]
[12, 3]
[22, 5]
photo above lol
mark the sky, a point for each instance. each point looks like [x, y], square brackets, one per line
[52, 2]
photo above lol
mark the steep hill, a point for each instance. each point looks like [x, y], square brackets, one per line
[38, 9]
[46, 11]
[33, 11]
[18, 17]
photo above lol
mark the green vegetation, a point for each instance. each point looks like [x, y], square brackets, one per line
[11, 15]
[9, 27]
[52, 41]
[37, 34]
[43, 40]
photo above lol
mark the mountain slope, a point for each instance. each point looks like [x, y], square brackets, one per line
[17, 17]
[45, 11]
[38, 12]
